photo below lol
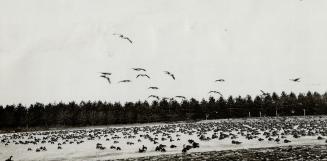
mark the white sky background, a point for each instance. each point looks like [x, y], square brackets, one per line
[52, 50]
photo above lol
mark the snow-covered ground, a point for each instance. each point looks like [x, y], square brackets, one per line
[80, 143]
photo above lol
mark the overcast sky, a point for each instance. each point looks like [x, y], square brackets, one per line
[52, 50]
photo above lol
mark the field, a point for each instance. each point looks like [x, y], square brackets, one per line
[285, 136]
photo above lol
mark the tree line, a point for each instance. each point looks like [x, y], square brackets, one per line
[104, 113]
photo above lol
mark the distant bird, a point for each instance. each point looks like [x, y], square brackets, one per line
[172, 75]
[264, 93]
[295, 79]
[143, 75]
[180, 97]
[216, 92]
[139, 69]
[154, 96]
[105, 73]
[103, 76]
[153, 88]
[9, 158]
[124, 81]
[220, 80]
[124, 37]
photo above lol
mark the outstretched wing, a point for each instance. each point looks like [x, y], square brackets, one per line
[172, 75]
[105, 73]
[129, 40]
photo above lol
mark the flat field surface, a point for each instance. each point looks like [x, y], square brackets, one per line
[205, 139]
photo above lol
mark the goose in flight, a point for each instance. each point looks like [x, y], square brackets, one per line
[220, 80]
[180, 97]
[215, 92]
[264, 93]
[124, 81]
[139, 69]
[142, 75]
[124, 37]
[172, 75]
[154, 96]
[295, 79]
[153, 88]
[104, 76]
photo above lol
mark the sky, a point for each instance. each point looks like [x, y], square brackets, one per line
[53, 50]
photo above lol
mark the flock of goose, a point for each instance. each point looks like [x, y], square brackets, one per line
[106, 75]
[176, 138]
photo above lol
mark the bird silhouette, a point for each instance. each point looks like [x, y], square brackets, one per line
[220, 80]
[295, 79]
[139, 69]
[124, 81]
[215, 92]
[180, 97]
[170, 74]
[153, 88]
[104, 76]
[124, 37]
[142, 75]
[264, 93]
[154, 96]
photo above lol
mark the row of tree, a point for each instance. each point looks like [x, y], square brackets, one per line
[104, 113]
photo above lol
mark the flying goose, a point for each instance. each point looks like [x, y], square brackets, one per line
[143, 75]
[104, 76]
[153, 88]
[172, 75]
[124, 37]
[154, 96]
[215, 92]
[124, 81]
[180, 97]
[264, 93]
[295, 79]
[139, 69]
[220, 80]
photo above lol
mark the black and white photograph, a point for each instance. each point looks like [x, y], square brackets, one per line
[163, 80]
